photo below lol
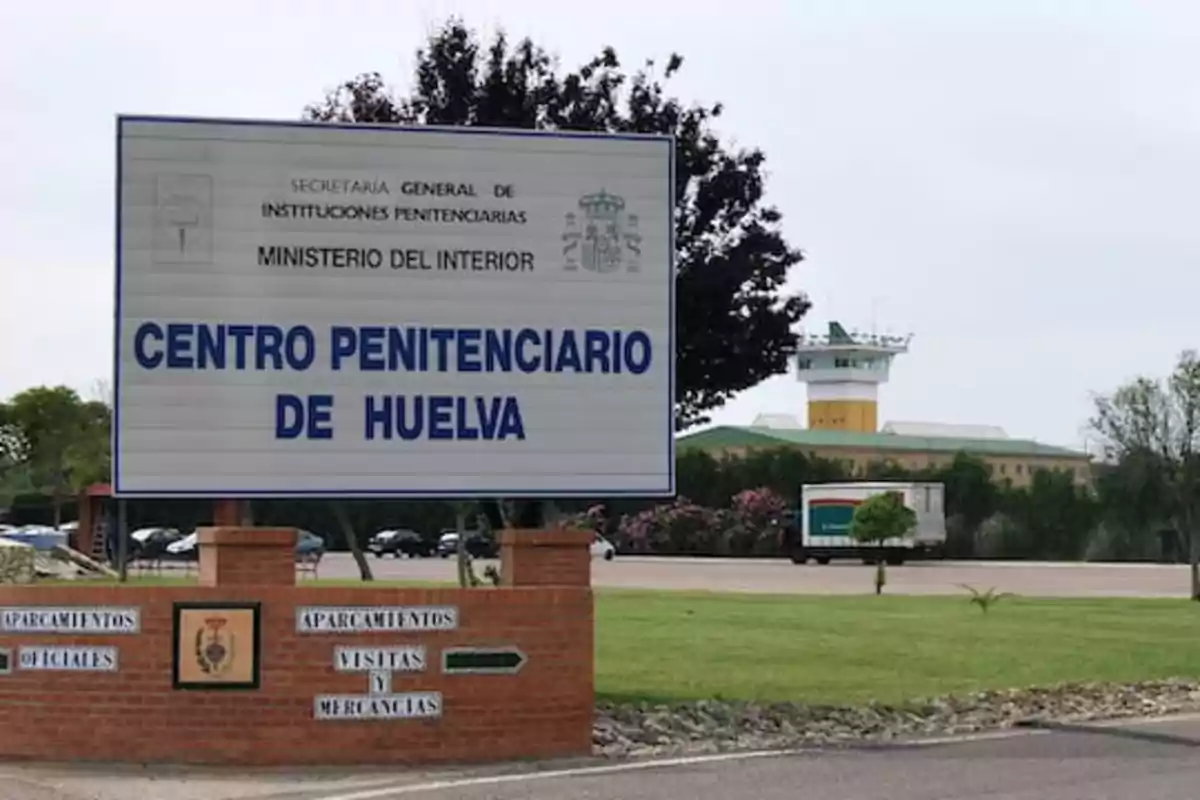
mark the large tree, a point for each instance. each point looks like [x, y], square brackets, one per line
[735, 324]
[56, 438]
[1133, 500]
[1055, 518]
[1155, 424]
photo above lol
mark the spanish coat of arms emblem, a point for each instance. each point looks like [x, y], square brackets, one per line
[214, 648]
[601, 237]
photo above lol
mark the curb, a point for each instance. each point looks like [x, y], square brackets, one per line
[1111, 728]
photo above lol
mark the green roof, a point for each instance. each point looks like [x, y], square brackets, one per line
[725, 436]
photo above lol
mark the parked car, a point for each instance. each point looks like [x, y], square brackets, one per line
[39, 537]
[309, 547]
[399, 542]
[479, 544]
[183, 549]
[152, 544]
[603, 548]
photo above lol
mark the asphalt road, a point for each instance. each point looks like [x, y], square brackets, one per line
[1104, 764]
[1054, 767]
[783, 577]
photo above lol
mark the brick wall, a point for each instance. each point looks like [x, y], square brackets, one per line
[135, 715]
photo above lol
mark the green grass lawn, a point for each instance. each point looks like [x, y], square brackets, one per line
[668, 646]
[676, 646]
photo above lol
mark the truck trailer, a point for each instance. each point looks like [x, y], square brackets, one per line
[820, 529]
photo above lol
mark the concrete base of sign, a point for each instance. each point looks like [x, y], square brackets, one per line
[261, 671]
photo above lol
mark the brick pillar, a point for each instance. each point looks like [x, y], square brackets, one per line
[555, 557]
[247, 556]
[82, 540]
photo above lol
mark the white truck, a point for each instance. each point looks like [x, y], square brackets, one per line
[821, 529]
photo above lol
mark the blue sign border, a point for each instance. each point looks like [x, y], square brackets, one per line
[668, 140]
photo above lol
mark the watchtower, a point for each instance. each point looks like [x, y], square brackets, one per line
[843, 372]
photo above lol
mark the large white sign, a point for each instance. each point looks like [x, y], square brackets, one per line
[312, 309]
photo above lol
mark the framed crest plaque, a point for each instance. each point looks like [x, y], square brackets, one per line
[216, 645]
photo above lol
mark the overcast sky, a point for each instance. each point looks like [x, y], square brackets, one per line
[1016, 186]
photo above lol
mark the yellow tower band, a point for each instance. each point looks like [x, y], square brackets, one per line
[860, 416]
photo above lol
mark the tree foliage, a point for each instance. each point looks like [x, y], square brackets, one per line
[881, 517]
[1152, 429]
[734, 320]
[970, 491]
[1132, 501]
[54, 440]
[1053, 518]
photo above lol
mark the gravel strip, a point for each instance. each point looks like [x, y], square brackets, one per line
[711, 726]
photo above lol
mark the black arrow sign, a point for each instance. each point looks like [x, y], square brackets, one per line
[482, 661]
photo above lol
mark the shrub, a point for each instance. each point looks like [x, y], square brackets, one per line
[752, 526]
[681, 527]
[757, 521]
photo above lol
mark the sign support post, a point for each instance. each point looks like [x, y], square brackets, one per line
[231, 513]
[122, 541]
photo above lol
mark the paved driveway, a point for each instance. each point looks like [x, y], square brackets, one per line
[1106, 763]
[783, 577]
[1055, 767]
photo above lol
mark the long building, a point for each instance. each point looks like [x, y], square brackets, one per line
[843, 372]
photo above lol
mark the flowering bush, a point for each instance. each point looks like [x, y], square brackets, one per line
[763, 506]
[672, 528]
[751, 527]
[758, 522]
